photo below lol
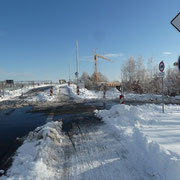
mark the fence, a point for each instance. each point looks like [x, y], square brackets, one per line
[15, 85]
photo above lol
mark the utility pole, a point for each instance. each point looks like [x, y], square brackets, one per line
[69, 73]
[77, 67]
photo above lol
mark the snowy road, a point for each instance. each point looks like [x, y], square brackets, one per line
[80, 146]
[95, 152]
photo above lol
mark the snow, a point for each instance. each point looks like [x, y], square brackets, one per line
[92, 94]
[44, 96]
[33, 158]
[151, 97]
[9, 94]
[151, 136]
[113, 93]
[140, 152]
[1, 171]
[84, 93]
[135, 142]
[41, 96]
[166, 130]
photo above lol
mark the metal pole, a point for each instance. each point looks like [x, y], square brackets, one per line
[21, 88]
[162, 96]
[69, 74]
[122, 90]
[77, 67]
[3, 87]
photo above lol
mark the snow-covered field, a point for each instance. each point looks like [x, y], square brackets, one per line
[41, 96]
[136, 142]
[151, 97]
[44, 96]
[86, 94]
[10, 94]
[113, 93]
[150, 134]
[41, 156]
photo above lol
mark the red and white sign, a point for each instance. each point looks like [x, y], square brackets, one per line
[161, 66]
[51, 91]
[121, 99]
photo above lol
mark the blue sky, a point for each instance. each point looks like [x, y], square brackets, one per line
[38, 37]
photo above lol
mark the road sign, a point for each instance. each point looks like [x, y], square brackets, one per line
[176, 22]
[161, 74]
[161, 66]
[76, 74]
[179, 63]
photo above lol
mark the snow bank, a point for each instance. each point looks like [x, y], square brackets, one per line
[151, 97]
[45, 95]
[9, 94]
[38, 154]
[113, 93]
[143, 152]
[87, 94]
[84, 93]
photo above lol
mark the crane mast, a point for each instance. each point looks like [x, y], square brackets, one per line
[96, 56]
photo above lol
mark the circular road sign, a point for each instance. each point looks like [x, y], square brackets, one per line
[161, 66]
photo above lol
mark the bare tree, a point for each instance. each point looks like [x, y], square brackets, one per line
[101, 77]
[87, 80]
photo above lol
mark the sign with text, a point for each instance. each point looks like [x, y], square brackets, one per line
[161, 74]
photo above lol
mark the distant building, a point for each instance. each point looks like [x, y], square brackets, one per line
[9, 81]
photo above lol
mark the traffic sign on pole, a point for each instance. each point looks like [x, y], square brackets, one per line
[161, 66]
[179, 63]
[176, 22]
[76, 74]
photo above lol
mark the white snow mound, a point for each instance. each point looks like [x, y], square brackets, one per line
[145, 154]
[38, 154]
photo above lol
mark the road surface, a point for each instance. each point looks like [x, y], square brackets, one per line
[90, 149]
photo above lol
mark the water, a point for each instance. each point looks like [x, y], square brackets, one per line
[16, 123]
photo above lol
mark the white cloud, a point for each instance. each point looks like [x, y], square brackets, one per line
[87, 58]
[113, 55]
[167, 53]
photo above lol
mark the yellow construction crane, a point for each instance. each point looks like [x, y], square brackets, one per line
[96, 56]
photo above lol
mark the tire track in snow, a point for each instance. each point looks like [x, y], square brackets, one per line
[99, 154]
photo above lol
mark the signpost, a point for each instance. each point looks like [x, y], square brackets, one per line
[161, 66]
[161, 74]
[176, 22]
[77, 67]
